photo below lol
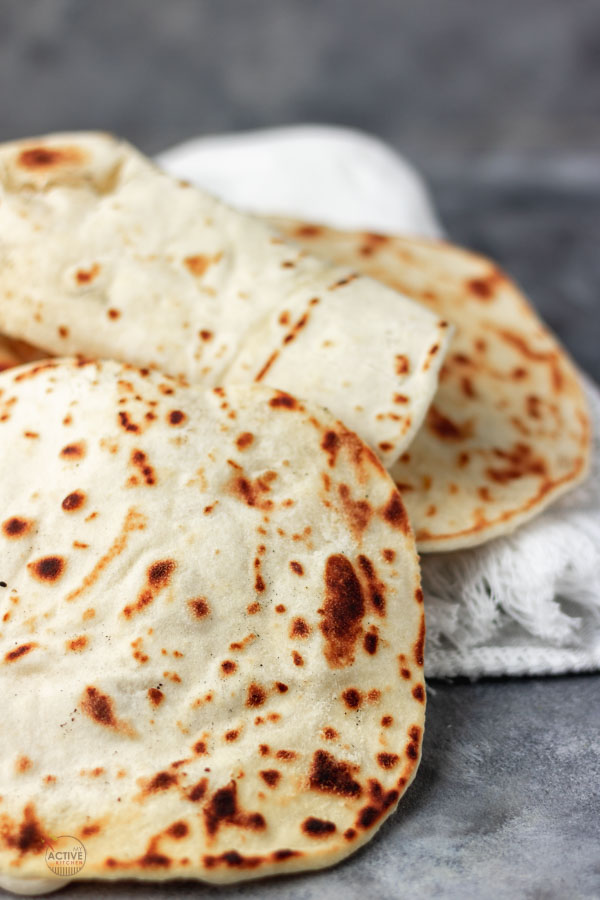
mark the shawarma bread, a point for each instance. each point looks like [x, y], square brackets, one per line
[105, 255]
[211, 638]
[508, 429]
[15, 353]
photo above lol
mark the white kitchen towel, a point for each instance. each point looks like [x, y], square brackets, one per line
[526, 604]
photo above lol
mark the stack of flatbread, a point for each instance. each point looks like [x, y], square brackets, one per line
[223, 442]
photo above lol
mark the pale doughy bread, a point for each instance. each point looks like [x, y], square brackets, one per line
[211, 629]
[508, 430]
[104, 255]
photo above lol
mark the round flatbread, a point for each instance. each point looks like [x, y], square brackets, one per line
[508, 429]
[15, 352]
[211, 642]
[105, 255]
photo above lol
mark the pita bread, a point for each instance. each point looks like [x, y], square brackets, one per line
[106, 256]
[508, 431]
[14, 353]
[211, 612]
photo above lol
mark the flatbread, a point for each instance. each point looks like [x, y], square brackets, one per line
[104, 255]
[211, 641]
[14, 353]
[508, 431]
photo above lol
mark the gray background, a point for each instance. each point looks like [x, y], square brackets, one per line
[499, 104]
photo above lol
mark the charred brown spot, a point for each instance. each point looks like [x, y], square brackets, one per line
[281, 687]
[232, 859]
[296, 567]
[350, 834]
[176, 417]
[395, 514]
[162, 781]
[126, 423]
[78, 644]
[299, 628]
[444, 428]
[200, 748]
[370, 642]
[244, 440]
[259, 584]
[73, 501]
[198, 264]
[16, 527]
[332, 776]
[402, 364]
[376, 588]
[140, 460]
[198, 791]
[178, 830]
[206, 335]
[331, 444]
[297, 658]
[48, 568]
[154, 861]
[357, 512]
[199, 607]
[252, 492]
[342, 611]
[270, 777]
[263, 371]
[228, 666]
[352, 698]
[286, 754]
[23, 764]
[343, 281]
[419, 646]
[19, 651]
[419, 595]
[308, 231]
[73, 451]
[255, 696]
[387, 721]
[156, 696]
[418, 693]
[412, 750]
[318, 828]
[223, 808]
[283, 401]
[50, 157]
[516, 463]
[232, 735]
[28, 836]
[388, 760]
[99, 707]
[389, 555]
[85, 276]
[159, 573]
[113, 313]
[483, 288]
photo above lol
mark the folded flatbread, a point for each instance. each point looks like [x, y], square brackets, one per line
[211, 640]
[14, 353]
[104, 255]
[508, 430]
